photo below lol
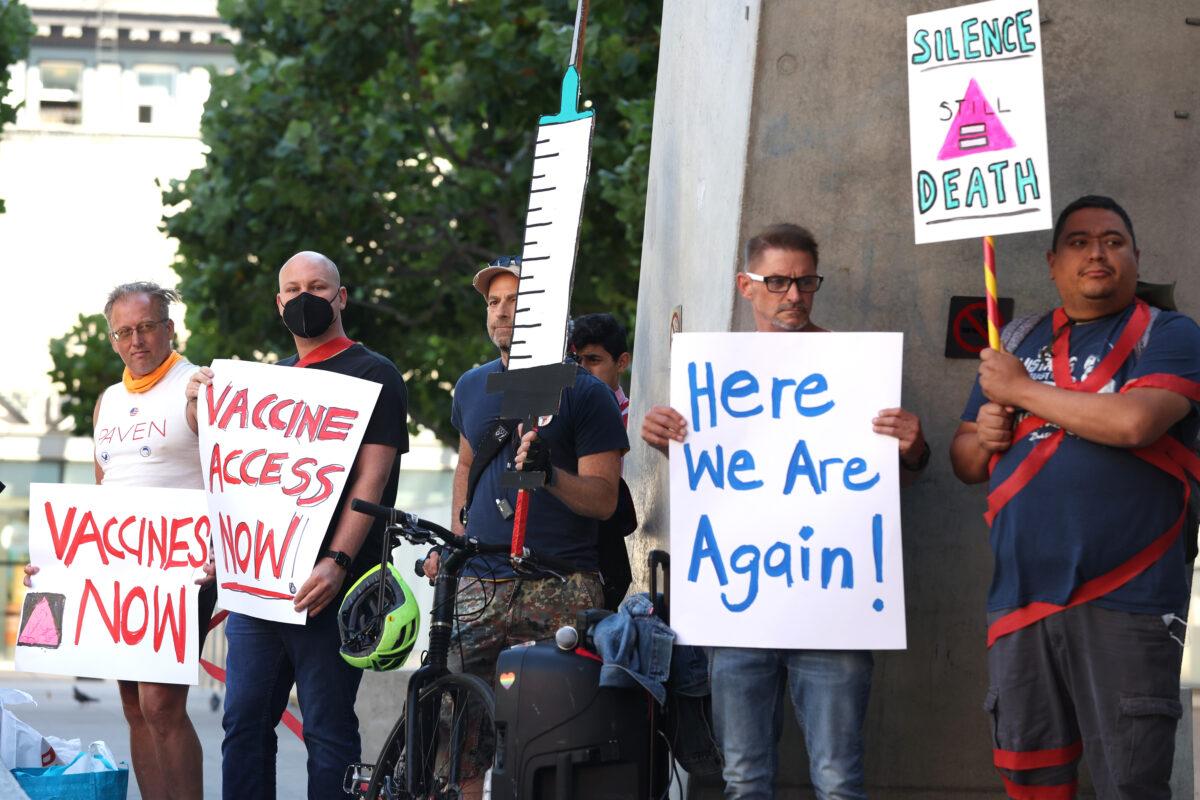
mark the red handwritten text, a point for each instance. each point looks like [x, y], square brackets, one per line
[241, 544]
[167, 615]
[303, 480]
[294, 418]
[161, 542]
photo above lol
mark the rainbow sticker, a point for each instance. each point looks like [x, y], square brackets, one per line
[507, 679]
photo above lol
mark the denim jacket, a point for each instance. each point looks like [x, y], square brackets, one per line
[636, 648]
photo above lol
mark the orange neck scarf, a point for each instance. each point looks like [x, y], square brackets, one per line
[146, 382]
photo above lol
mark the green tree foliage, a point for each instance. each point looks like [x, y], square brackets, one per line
[396, 137]
[16, 29]
[84, 365]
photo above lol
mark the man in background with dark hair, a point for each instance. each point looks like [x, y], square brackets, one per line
[1085, 433]
[829, 688]
[601, 346]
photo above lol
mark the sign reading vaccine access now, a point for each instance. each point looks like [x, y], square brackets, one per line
[977, 121]
[785, 517]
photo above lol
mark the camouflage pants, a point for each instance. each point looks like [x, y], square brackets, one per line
[494, 615]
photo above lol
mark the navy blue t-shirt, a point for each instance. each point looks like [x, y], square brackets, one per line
[1092, 507]
[588, 422]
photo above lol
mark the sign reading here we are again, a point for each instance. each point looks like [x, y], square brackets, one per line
[785, 523]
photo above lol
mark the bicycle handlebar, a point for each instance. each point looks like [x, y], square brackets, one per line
[411, 524]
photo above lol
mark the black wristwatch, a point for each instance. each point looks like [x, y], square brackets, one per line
[922, 462]
[341, 559]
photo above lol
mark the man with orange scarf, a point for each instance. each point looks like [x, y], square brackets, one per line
[166, 751]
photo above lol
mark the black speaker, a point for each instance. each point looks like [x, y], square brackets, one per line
[560, 736]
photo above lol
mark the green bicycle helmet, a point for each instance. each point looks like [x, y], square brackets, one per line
[378, 636]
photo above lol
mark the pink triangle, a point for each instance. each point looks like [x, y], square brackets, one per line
[39, 629]
[975, 128]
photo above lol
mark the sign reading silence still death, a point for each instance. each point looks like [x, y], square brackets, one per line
[966, 329]
[276, 447]
[977, 121]
[116, 595]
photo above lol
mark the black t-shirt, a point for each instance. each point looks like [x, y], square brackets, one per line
[388, 426]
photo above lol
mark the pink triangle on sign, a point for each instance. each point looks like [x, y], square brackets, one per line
[975, 128]
[40, 630]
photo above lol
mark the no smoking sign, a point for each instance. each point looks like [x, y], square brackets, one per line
[966, 333]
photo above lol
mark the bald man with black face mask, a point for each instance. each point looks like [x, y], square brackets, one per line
[266, 658]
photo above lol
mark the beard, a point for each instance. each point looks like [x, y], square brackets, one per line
[778, 321]
[502, 340]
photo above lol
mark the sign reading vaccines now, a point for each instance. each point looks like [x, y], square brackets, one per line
[276, 447]
[116, 595]
[785, 516]
[977, 121]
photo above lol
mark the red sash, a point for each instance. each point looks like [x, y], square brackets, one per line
[1166, 453]
[326, 351]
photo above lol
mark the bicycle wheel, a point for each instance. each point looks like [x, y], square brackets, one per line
[387, 778]
[455, 729]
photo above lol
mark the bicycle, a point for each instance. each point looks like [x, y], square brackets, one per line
[448, 721]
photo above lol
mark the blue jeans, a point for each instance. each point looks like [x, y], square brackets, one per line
[265, 658]
[829, 691]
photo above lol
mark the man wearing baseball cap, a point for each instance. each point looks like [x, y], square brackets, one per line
[582, 447]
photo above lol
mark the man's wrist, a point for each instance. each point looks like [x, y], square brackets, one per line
[338, 557]
[921, 461]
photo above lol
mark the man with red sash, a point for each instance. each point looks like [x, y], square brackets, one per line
[265, 658]
[1084, 432]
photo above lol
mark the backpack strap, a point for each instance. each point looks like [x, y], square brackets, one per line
[1145, 340]
[1017, 329]
[493, 440]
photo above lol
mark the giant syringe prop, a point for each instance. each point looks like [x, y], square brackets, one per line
[536, 375]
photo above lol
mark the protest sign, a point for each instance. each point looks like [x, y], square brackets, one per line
[276, 447]
[116, 595]
[785, 524]
[977, 121]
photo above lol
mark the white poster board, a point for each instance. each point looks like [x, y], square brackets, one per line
[276, 447]
[785, 516]
[116, 594]
[977, 121]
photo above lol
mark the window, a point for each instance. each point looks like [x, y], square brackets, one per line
[155, 93]
[157, 78]
[61, 98]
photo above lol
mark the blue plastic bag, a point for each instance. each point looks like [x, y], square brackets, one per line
[49, 783]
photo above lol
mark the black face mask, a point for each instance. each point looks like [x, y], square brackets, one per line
[308, 315]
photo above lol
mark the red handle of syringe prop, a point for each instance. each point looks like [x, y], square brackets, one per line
[522, 513]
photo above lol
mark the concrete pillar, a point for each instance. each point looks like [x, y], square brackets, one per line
[797, 111]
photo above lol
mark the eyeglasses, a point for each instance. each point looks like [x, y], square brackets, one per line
[505, 261]
[781, 284]
[144, 328]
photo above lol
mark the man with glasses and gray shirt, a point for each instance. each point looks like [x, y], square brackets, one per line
[828, 689]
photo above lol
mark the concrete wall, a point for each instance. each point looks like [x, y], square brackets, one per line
[828, 148]
[698, 171]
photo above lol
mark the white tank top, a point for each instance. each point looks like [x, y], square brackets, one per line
[144, 440]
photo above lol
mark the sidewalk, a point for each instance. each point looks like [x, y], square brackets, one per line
[59, 714]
